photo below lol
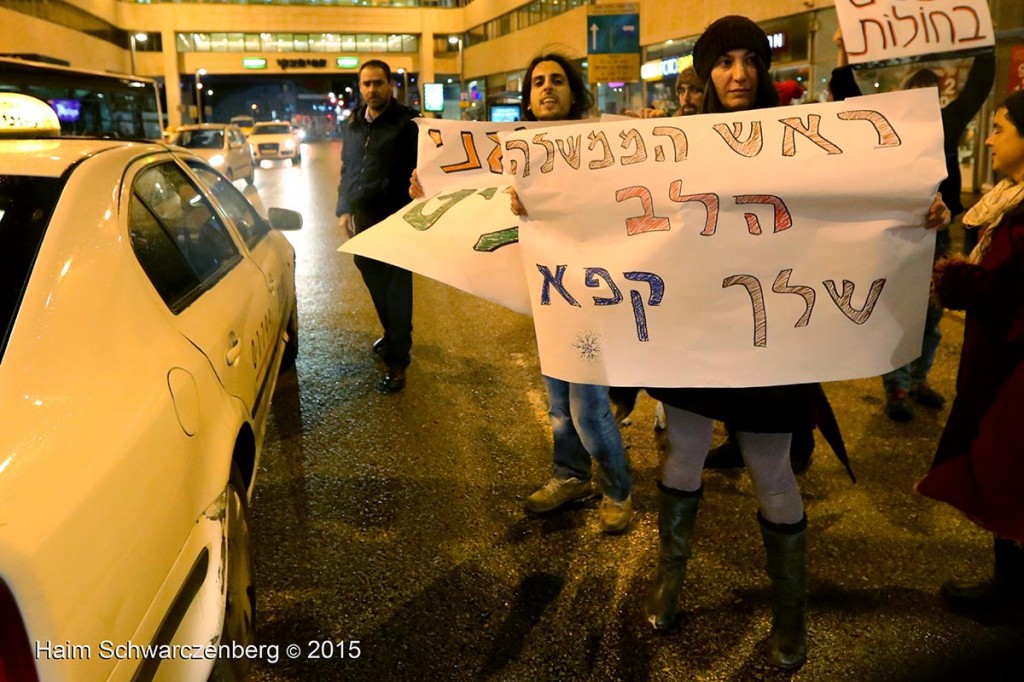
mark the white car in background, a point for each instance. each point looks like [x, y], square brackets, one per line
[222, 145]
[275, 140]
[146, 308]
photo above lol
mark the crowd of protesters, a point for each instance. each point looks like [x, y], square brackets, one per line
[979, 463]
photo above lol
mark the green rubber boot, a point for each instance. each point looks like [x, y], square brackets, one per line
[786, 547]
[677, 516]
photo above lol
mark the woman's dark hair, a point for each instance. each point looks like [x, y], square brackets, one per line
[766, 96]
[582, 100]
[1015, 110]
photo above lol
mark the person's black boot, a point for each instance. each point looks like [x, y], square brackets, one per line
[677, 516]
[1004, 591]
[786, 548]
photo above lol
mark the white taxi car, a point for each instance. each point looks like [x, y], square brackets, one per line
[222, 146]
[276, 140]
[145, 310]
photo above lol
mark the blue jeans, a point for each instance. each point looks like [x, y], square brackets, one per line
[915, 372]
[584, 427]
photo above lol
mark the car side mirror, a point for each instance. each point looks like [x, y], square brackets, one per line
[284, 219]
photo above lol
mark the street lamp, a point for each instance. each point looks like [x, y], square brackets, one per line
[457, 40]
[199, 94]
[136, 38]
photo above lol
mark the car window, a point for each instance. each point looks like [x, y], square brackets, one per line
[188, 219]
[199, 139]
[252, 226]
[161, 259]
[26, 204]
[272, 130]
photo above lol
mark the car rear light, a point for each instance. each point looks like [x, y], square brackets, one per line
[17, 663]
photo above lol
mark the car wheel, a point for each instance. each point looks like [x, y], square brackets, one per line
[240, 598]
[291, 348]
[297, 159]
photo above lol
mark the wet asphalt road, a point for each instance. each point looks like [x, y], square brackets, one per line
[396, 521]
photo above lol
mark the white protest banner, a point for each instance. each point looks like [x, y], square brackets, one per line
[765, 247]
[877, 30]
[461, 154]
[463, 233]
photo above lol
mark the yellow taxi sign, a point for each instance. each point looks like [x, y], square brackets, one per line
[25, 116]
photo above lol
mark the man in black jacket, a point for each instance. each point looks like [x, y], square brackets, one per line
[909, 383]
[378, 156]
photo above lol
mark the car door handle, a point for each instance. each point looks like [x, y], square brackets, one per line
[234, 349]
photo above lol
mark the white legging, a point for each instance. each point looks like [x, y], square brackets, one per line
[766, 456]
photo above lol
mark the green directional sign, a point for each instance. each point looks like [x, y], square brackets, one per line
[613, 43]
[613, 34]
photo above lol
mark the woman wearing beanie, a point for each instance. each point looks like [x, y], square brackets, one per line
[979, 464]
[732, 57]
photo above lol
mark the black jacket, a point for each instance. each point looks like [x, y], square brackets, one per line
[377, 159]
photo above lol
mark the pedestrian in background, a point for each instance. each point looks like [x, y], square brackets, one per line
[910, 382]
[378, 155]
[979, 464]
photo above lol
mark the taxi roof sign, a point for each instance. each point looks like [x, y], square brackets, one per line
[26, 116]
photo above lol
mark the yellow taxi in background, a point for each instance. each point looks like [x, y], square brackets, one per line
[244, 123]
[146, 308]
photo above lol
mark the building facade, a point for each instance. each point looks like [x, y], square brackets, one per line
[476, 48]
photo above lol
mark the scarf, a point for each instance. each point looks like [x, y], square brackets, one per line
[989, 212]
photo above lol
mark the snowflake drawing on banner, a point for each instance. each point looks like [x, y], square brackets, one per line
[589, 346]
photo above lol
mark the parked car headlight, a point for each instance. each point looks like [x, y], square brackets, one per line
[289, 144]
[217, 160]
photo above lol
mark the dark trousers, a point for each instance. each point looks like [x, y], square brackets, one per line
[390, 288]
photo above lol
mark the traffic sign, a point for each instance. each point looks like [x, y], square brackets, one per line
[613, 43]
[613, 33]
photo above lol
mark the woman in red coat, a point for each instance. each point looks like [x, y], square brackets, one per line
[979, 465]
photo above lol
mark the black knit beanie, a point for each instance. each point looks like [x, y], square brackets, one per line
[727, 34]
[1015, 110]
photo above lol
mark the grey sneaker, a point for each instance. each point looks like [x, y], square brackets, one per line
[615, 515]
[556, 492]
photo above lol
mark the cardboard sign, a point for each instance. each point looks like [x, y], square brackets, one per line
[765, 247]
[879, 30]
